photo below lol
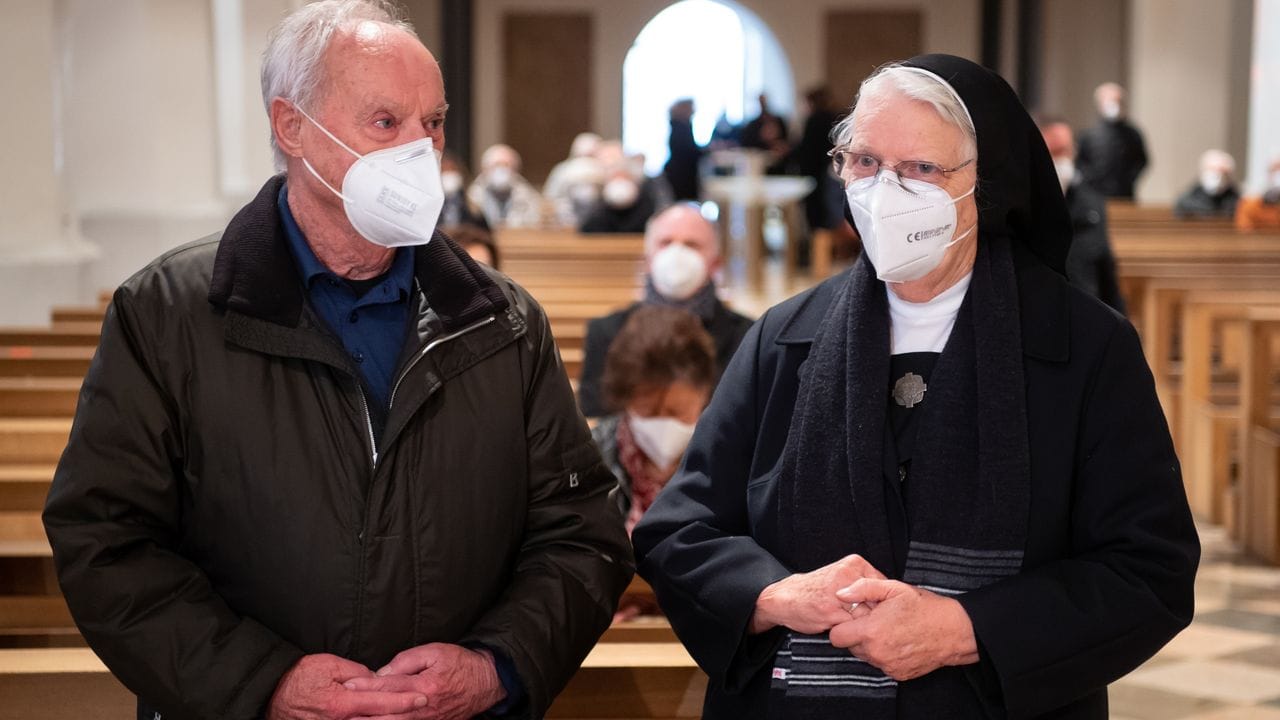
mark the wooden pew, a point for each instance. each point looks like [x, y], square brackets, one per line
[38, 396]
[1259, 437]
[1209, 419]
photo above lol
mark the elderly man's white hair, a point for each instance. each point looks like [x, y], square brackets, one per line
[1218, 159]
[292, 64]
[916, 84]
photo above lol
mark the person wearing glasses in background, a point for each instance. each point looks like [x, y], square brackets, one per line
[939, 484]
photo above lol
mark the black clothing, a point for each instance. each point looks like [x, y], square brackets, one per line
[726, 328]
[1091, 266]
[1089, 560]
[602, 218]
[752, 133]
[221, 510]
[1196, 202]
[811, 159]
[681, 169]
[1111, 155]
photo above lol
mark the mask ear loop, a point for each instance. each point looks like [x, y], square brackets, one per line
[966, 233]
[307, 163]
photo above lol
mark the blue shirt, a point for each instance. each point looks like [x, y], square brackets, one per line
[371, 326]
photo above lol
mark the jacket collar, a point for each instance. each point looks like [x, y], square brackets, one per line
[254, 273]
[1043, 309]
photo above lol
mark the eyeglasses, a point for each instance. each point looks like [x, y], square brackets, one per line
[861, 165]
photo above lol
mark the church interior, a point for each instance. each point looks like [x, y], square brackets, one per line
[137, 126]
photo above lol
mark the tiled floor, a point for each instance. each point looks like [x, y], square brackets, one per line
[1226, 666]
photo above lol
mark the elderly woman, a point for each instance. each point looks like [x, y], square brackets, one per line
[939, 485]
[658, 377]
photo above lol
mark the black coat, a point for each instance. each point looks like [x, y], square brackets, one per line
[681, 169]
[1091, 266]
[221, 509]
[1111, 156]
[1111, 549]
[1196, 202]
[726, 327]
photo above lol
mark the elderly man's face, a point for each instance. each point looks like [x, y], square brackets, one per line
[380, 88]
[687, 227]
[1058, 138]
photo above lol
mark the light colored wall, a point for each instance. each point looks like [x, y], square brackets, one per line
[1181, 94]
[1264, 115]
[952, 26]
[1085, 43]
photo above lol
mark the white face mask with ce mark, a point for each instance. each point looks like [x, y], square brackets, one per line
[662, 439]
[906, 225]
[392, 196]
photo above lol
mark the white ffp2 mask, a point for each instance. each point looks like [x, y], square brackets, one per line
[906, 225]
[678, 272]
[393, 196]
[662, 439]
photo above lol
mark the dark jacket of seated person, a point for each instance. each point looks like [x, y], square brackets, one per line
[625, 206]
[681, 255]
[1214, 193]
[1091, 265]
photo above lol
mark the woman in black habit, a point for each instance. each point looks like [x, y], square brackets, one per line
[938, 485]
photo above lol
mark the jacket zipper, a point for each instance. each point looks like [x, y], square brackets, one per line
[428, 348]
[364, 401]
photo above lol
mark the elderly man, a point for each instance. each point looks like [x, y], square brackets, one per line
[502, 193]
[1214, 194]
[682, 253]
[1112, 153]
[1091, 266]
[324, 464]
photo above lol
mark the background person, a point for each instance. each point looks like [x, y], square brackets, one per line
[1112, 153]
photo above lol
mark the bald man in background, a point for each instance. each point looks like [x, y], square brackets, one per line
[1091, 266]
[682, 255]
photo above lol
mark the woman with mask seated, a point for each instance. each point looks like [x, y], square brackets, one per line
[658, 377]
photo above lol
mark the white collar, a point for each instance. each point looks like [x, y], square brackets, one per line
[924, 327]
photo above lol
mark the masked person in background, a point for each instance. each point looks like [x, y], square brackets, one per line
[325, 464]
[1112, 153]
[682, 255]
[627, 200]
[658, 377]
[457, 209]
[1091, 266]
[504, 197]
[1214, 193]
[573, 186]
[1262, 212]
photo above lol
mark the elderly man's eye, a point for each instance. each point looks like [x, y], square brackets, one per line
[384, 123]
[865, 162]
[435, 123]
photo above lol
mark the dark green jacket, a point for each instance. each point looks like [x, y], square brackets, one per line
[221, 509]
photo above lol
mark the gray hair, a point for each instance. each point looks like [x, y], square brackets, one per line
[291, 64]
[916, 84]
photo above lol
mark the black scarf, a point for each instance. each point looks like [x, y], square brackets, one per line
[967, 500]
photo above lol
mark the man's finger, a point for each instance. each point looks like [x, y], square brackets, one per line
[349, 703]
[868, 590]
[411, 661]
[387, 683]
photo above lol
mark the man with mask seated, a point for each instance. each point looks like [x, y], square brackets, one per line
[682, 253]
[1262, 212]
[627, 199]
[1214, 193]
[501, 193]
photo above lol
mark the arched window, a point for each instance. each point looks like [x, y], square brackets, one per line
[714, 51]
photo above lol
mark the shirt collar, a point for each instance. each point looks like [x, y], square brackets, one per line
[399, 275]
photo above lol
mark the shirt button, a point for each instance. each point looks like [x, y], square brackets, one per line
[358, 356]
[354, 316]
